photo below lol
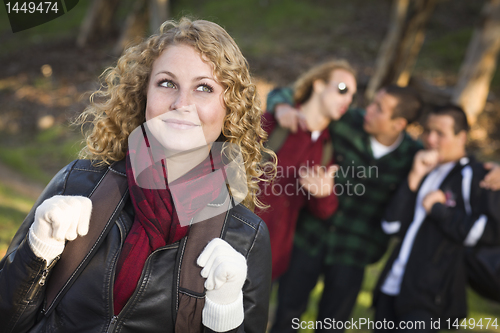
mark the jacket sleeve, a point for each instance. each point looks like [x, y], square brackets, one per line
[482, 226]
[257, 288]
[323, 208]
[21, 284]
[399, 211]
[279, 96]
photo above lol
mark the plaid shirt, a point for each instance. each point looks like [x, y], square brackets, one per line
[364, 185]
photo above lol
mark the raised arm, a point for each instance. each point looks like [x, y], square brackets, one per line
[280, 103]
[22, 272]
[492, 180]
[235, 306]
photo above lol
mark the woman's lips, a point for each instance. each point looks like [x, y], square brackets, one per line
[180, 124]
[344, 110]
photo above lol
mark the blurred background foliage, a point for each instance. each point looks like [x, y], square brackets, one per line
[46, 80]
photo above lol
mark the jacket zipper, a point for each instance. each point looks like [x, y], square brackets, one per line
[112, 324]
[115, 318]
[41, 281]
[46, 271]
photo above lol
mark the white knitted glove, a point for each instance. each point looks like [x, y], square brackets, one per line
[225, 270]
[58, 219]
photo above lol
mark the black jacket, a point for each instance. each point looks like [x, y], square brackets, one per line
[87, 305]
[434, 279]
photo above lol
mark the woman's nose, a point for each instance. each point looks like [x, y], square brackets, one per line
[182, 100]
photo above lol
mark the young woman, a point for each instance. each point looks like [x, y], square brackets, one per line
[188, 91]
[305, 165]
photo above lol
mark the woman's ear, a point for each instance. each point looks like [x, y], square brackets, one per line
[318, 86]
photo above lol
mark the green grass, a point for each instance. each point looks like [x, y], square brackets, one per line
[13, 209]
[40, 157]
[478, 307]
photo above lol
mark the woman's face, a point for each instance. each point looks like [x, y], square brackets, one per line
[184, 107]
[336, 95]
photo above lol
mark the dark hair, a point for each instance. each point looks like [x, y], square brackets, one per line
[409, 105]
[460, 122]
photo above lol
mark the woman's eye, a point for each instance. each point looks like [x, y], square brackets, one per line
[204, 88]
[167, 84]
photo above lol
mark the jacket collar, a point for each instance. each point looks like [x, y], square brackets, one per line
[460, 164]
[119, 167]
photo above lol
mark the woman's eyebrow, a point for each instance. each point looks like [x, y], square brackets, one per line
[166, 72]
[199, 78]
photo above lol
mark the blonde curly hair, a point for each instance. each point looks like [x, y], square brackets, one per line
[122, 99]
[303, 87]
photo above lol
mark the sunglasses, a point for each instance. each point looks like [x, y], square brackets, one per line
[342, 88]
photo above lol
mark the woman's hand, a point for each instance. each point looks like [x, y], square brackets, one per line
[289, 117]
[318, 181]
[225, 270]
[58, 219]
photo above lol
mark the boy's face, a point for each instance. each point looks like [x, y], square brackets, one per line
[439, 134]
[378, 119]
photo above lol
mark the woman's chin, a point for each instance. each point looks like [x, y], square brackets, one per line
[185, 148]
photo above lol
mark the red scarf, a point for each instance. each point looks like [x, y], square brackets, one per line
[156, 222]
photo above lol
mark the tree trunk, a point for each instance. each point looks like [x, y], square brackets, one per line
[158, 13]
[388, 48]
[412, 42]
[479, 64]
[98, 21]
[135, 27]
[400, 48]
